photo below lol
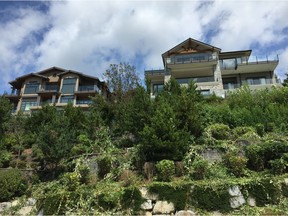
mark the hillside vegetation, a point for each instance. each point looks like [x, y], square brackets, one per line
[95, 162]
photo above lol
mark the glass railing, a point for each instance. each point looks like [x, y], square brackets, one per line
[84, 101]
[86, 88]
[194, 58]
[254, 82]
[155, 72]
[196, 80]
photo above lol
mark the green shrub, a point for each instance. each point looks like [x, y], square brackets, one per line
[260, 129]
[235, 163]
[239, 131]
[5, 157]
[278, 166]
[165, 170]
[199, 169]
[12, 184]
[211, 199]
[218, 131]
[132, 199]
[105, 165]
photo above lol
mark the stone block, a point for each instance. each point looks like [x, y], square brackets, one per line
[147, 205]
[251, 201]
[234, 191]
[185, 213]
[237, 201]
[163, 207]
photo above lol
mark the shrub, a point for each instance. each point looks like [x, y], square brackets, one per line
[165, 169]
[239, 131]
[278, 166]
[12, 184]
[5, 157]
[105, 165]
[218, 131]
[132, 199]
[235, 163]
[199, 168]
[128, 178]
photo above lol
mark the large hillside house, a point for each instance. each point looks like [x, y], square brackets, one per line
[54, 86]
[213, 70]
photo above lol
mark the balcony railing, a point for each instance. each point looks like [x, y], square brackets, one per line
[230, 86]
[196, 80]
[155, 72]
[196, 58]
[87, 88]
[84, 101]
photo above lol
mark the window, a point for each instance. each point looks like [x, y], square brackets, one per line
[84, 101]
[68, 85]
[67, 99]
[31, 87]
[205, 93]
[51, 87]
[27, 103]
[256, 81]
[157, 88]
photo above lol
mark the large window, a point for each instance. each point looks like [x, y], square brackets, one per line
[31, 87]
[27, 103]
[157, 88]
[68, 85]
[256, 81]
[67, 99]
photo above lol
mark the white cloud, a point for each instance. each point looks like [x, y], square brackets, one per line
[89, 35]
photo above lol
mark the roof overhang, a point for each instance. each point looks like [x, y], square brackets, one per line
[190, 46]
[234, 54]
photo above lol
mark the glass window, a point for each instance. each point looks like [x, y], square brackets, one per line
[67, 99]
[51, 87]
[68, 85]
[205, 92]
[27, 103]
[157, 88]
[31, 88]
[256, 81]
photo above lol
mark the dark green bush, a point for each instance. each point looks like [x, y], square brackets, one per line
[105, 165]
[12, 184]
[218, 131]
[199, 169]
[132, 199]
[235, 163]
[165, 170]
[211, 199]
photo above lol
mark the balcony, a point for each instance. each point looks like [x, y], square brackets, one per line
[196, 80]
[245, 65]
[13, 96]
[253, 84]
[87, 90]
[49, 90]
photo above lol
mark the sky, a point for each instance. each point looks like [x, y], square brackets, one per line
[89, 35]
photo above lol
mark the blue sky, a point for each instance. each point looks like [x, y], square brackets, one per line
[88, 35]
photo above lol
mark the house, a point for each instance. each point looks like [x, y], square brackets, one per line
[212, 70]
[55, 86]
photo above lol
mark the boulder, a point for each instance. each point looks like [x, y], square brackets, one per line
[251, 201]
[31, 202]
[234, 191]
[185, 213]
[146, 195]
[5, 205]
[163, 207]
[147, 205]
[237, 201]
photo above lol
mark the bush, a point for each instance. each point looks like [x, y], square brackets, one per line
[199, 168]
[12, 184]
[235, 163]
[132, 199]
[218, 131]
[239, 131]
[165, 170]
[105, 165]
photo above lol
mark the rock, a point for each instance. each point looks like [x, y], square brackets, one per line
[15, 203]
[148, 213]
[251, 201]
[234, 191]
[147, 205]
[146, 195]
[5, 205]
[185, 213]
[31, 202]
[237, 201]
[25, 210]
[163, 207]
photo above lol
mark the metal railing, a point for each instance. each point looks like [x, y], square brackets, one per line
[86, 88]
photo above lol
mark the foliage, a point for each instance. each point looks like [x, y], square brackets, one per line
[12, 184]
[165, 169]
[121, 79]
[235, 163]
[218, 131]
[199, 169]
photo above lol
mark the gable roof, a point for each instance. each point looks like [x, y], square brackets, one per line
[190, 46]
